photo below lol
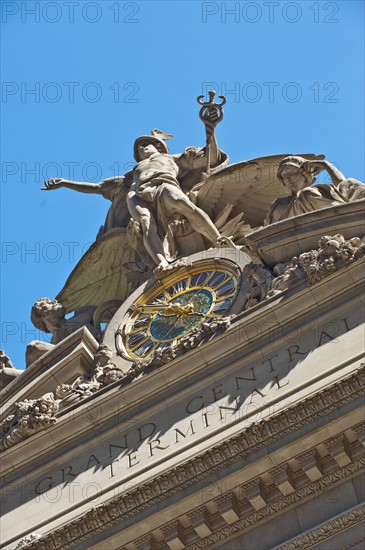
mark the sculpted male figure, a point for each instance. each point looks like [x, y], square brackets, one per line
[7, 370]
[154, 196]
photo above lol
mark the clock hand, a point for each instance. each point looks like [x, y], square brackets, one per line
[174, 308]
[177, 308]
[181, 310]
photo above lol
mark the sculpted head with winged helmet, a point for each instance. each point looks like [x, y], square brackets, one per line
[291, 173]
[145, 146]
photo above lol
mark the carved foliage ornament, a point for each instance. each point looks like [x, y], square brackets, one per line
[30, 416]
[34, 415]
[333, 254]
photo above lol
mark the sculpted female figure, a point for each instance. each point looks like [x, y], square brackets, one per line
[298, 175]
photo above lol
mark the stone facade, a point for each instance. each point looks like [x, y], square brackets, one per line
[253, 439]
[221, 407]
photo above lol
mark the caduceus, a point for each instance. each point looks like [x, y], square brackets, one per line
[210, 114]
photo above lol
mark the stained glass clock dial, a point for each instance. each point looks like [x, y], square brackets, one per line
[176, 306]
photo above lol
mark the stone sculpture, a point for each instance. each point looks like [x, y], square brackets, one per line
[49, 316]
[160, 212]
[8, 372]
[333, 253]
[155, 195]
[298, 175]
[173, 205]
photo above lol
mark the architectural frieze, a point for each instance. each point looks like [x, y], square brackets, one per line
[255, 519]
[202, 522]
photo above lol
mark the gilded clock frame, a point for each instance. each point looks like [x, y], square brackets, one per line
[161, 287]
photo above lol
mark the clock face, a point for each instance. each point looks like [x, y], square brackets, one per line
[175, 306]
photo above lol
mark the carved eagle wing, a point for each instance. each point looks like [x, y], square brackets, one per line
[100, 275]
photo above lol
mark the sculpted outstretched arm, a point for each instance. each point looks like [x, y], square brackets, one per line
[106, 188]
[81, 186]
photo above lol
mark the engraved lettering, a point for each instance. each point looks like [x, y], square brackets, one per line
[184, 435]
[238, 378]
[143, 428]
[233, 410]
[217, 392]
[325, 336]
[68, 473]
[189, 411]
[294, 350]
[155, 444]
[92, 458]
[258, 392]
[38, 490]
[270, 362]
[112, 469]
[205, 419]
[276, 378]
[133, 460]
[347, 326]
[113, 446]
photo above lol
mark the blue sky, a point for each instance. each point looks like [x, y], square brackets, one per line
[81, 80]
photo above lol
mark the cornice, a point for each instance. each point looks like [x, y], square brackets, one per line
[60, 352]
[328, 530]
[280, 505]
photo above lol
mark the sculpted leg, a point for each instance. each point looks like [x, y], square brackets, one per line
[178, 202]
[151, 240]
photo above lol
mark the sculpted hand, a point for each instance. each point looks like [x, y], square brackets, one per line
[54, 184]
[212, 118]
[213, 115]
[313, 166]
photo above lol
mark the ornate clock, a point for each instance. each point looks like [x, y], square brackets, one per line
[175, 306]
